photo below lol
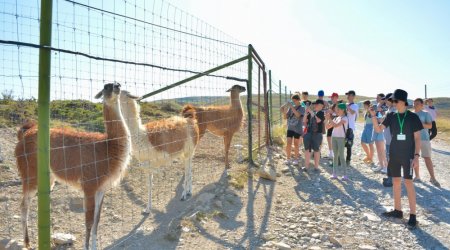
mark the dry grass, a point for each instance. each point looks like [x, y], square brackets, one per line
[443, 126]
[238, 178]
[279, 134]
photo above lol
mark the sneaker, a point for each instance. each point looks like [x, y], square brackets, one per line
[387, 182]
[348, 163]
[435, 183]
[331, 155]
[384, 170]
[393, 214]
[305, 169]
[412, 222]
[377, 169]
[287, 162]
[317, 170]
[333, 177]
[345, 178]
[417, 180]
[295, 162]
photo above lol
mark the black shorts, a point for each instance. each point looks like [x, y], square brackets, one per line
[291, 133]
[396, 164]
[329, 132]
[312, 141]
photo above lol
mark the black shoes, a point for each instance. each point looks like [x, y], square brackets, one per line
[412, 222]
[393, 214]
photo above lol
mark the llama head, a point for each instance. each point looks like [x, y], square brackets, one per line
[110, 93]
[236, 89]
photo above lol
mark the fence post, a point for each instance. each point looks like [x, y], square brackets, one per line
[43, 156]
[249, 105]
[281, 103]
[270, 103]
[285, 93]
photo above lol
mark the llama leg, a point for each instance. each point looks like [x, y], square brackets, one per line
[25, 209]
[189, 192]
[185, 181]
[89, 206]
[97, 210]
[227, 142]
[150, 183]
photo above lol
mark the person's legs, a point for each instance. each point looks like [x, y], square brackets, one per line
[336, 155]
[330, 146]
[317, 143]
[288, 148]
[371, 152]
[365, 147]
[307, 143]
[296, 148]
[411, 195]
[341, 149]
[397, 192]
[430, 168]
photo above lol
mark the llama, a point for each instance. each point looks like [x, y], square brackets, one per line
[90, 162]
[222, 121]
[157, 143]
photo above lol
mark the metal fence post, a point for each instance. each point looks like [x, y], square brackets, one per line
[281, 103]
[249, 105]
[270, 103]
[285, 93]
[43, 156]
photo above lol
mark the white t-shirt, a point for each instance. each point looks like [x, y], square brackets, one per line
[432, 112]
[339, 130]
[352, 117]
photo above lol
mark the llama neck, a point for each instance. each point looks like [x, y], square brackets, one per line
[235, 100]
[131, 114]
[114, 122]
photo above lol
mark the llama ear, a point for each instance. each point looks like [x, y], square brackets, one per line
[97, 96]
[228, 90]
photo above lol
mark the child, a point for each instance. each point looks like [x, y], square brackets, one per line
[340, 126]
[313, 137]
[366, 136]
[293, 115]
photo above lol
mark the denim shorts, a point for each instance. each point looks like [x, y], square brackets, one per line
[366, 136]
[312, 141]
[378, 136]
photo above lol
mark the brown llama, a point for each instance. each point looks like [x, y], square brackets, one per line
[90, 162]
[158, 143]
[222, 121]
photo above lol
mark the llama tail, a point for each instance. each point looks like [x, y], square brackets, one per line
[189, 111]
[25, 126]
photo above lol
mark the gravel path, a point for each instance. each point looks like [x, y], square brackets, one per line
[299, 211]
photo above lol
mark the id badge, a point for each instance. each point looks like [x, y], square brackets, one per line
[401, 137]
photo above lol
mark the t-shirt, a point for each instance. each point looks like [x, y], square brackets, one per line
[412, 123]
[352, 117]
[387, 132]
[294, 123]
[339, 130]
[424, 117]
[311, 122]
[432, 111]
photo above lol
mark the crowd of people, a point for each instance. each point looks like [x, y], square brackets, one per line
[398, 136]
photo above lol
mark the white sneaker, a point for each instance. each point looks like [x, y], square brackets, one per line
[377, 169]
[384, 170]
[287, 162]
[331, 155]
[295, 162]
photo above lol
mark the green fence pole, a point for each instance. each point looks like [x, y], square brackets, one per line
[281, 103]
[43, 156]
[270, 103]
[249, 105]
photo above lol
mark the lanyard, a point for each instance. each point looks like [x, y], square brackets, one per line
[401, 122]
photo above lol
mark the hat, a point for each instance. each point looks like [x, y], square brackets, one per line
[321, 93]
[318, 101]
[334, 95]
[342, 106]
[305, 93]
[400, 95]
[351, 92]
[387, 97]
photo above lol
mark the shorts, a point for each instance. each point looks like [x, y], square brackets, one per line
[366, 136]
[425, 148]
[396, 164]
[378, 136]
[329, 132]
[312, 141]
[294, 134]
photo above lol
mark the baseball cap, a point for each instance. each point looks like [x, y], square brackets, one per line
[351, 92]
[321, 93]
[334, 95]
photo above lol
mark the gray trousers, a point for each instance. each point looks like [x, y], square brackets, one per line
[338, 150]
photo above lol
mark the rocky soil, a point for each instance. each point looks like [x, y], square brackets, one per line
[298, 211]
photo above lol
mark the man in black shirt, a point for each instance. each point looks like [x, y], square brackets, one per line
[404, 152]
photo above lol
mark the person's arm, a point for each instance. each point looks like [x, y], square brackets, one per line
[340, 123]
[376, 126]
[427, 125]
[417, 141]
[305, 119]
[351, 110]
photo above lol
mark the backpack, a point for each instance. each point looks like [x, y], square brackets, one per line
[349, 136]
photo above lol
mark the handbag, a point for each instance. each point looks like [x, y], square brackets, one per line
[349, 136]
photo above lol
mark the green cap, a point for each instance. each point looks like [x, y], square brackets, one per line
[342, 106]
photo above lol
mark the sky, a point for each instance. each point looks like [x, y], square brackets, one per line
[363, 45]
[369, 46]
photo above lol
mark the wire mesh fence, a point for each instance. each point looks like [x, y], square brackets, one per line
[145, 46]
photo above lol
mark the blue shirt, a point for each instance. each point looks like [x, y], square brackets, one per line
[424, 117]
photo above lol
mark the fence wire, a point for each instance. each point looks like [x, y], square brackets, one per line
[144, 46]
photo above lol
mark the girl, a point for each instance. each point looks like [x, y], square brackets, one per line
[293, 115]
[340, 126]
[366, 136]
